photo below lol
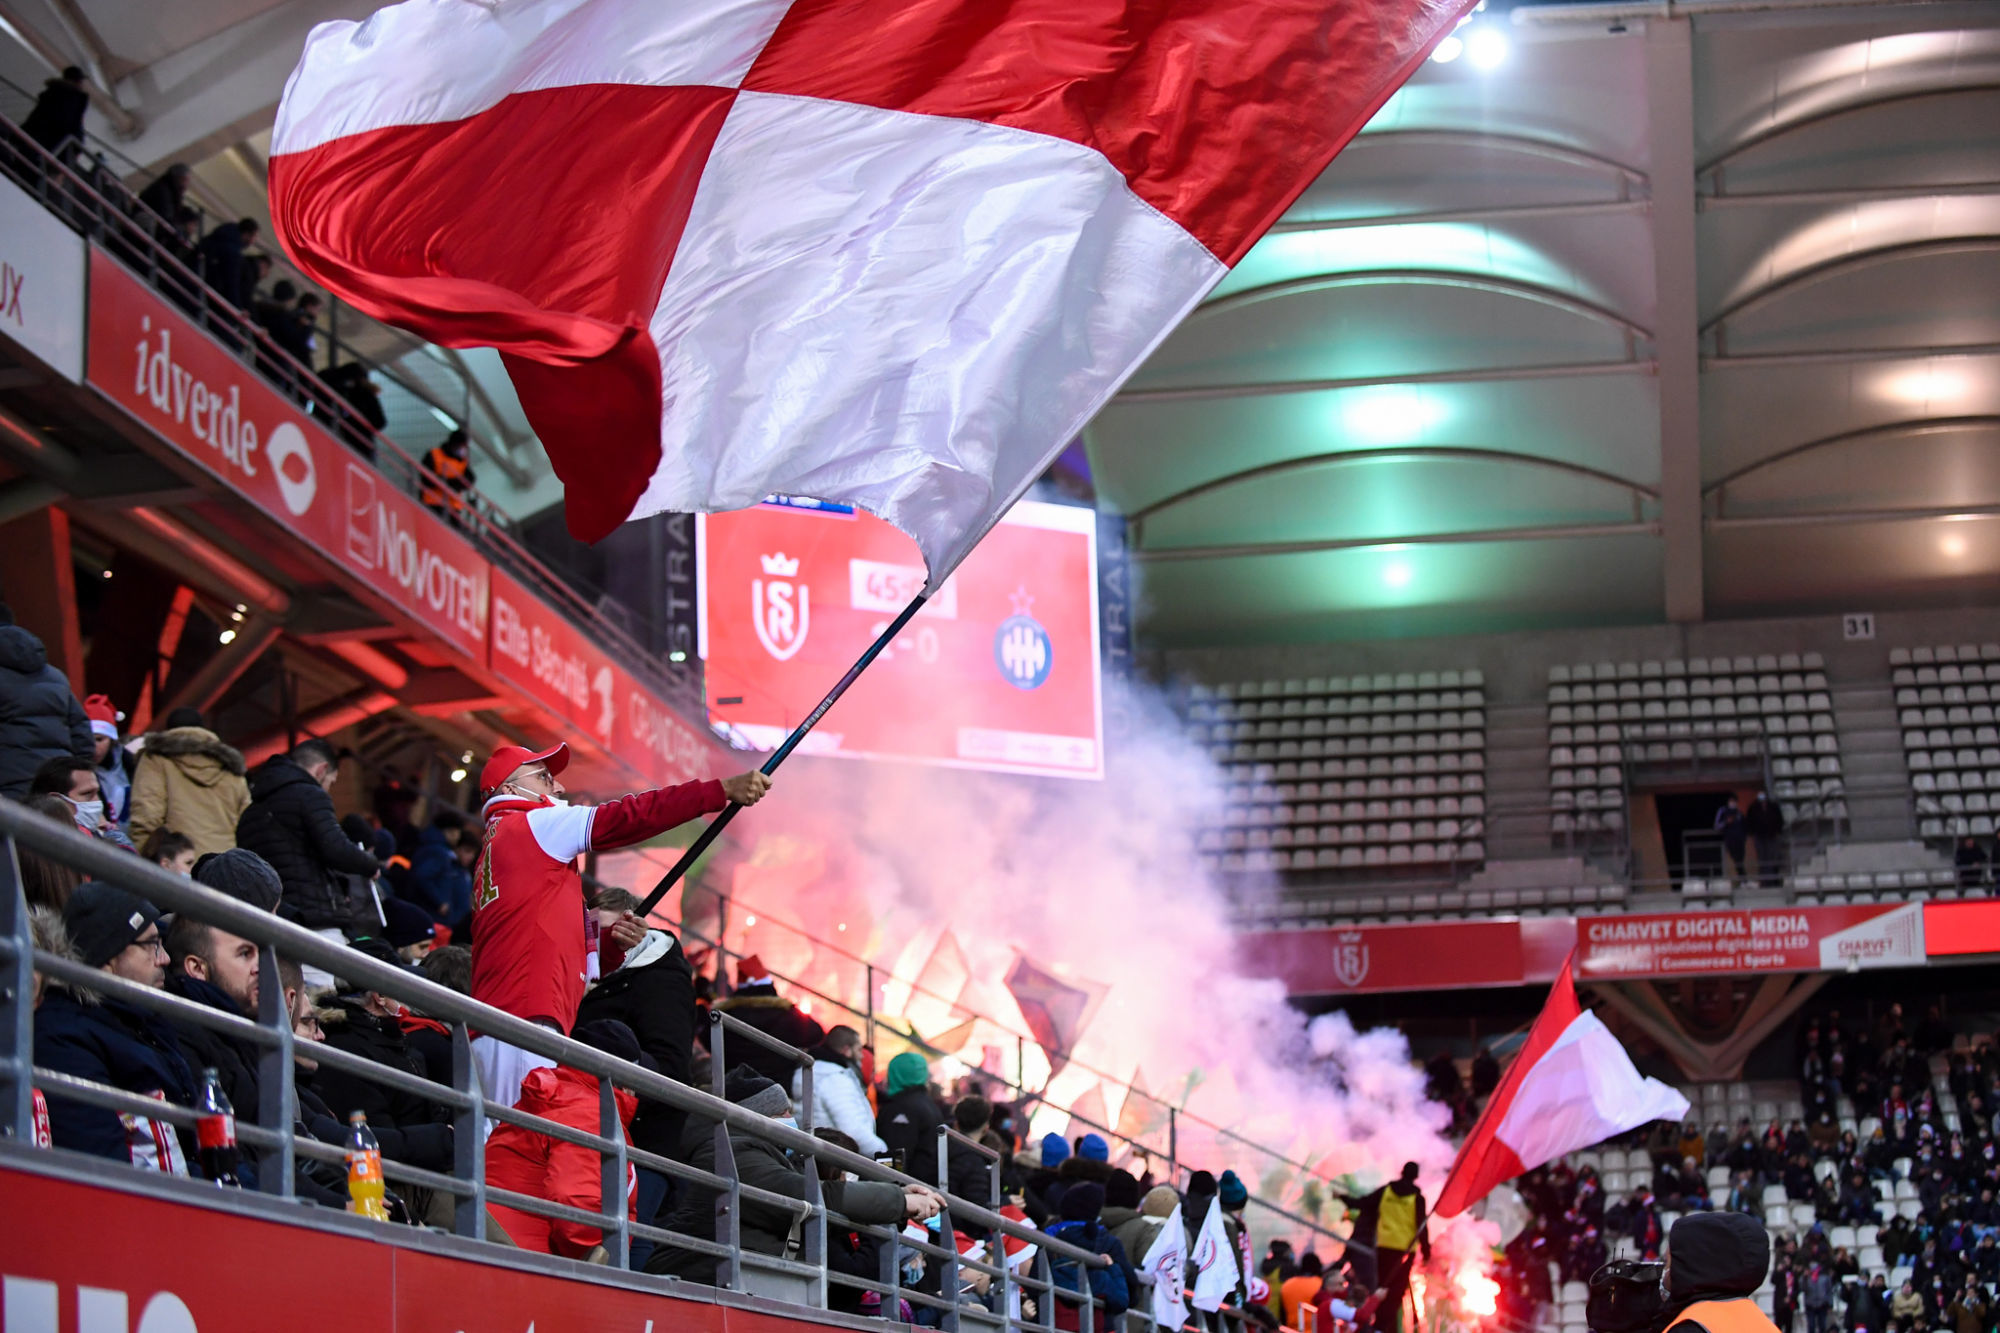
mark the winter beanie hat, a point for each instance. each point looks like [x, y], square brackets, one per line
[908, 1070]
[1092, 1148]
[611, 1036]
[1231, 1192]
[753, 1092]
[243, 875]
[1161, 1200]
[1082, 1202]
[103, 919]
[1054, 1149]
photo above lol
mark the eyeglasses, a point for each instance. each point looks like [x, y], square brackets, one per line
[152, 943]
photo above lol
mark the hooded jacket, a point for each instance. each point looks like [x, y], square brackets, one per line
[413, 1130]
[40, 719]
[107, 1041]
[652, 993]
[534, 939]
[766, 1229]
[1368, 1210]
[839, 1100]
[1716, 1263]
[290, 823]
[908, 1123]
[543, 1167]
[763, 1008]
[189, 781]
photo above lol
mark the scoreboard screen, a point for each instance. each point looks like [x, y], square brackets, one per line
[998, 671]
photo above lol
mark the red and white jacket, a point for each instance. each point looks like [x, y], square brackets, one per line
[534, 939]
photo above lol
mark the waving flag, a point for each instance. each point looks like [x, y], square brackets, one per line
[1165, 1266]
[1571, 1086]
[1215, 1270]
[888, 252]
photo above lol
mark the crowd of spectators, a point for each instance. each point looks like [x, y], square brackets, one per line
[1884, 1195]
[223, 276]
[403, 894]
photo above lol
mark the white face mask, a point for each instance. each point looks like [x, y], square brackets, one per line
[89, 814]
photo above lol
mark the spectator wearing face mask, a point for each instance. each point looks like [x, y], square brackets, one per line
[187, 780]
[75, 782]
[535, 937]
[114, 761]
[759, 1163]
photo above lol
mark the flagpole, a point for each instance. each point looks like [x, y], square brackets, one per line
[770, 766]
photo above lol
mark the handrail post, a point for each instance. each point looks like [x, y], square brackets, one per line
[275, 1175]
[611, 1197]
[468, 1138]
[17, 1004]
[1173, 1145]
[870, 1043]
[947, 1236]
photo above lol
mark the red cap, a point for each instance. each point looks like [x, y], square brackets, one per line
[103, 717]
[750, 969]
[510, 757]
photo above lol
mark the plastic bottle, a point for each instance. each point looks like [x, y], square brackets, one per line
[215, 1132]
[364, 1170]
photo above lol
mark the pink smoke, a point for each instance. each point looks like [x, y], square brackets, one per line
[940, 877]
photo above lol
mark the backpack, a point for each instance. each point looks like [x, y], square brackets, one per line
[1106, 1284]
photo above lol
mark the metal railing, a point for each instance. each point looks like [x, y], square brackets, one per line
[95, 203]
[867, 1020]
[802, 1278]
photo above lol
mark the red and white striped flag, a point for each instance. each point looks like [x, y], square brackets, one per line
[1571, 1086]
[888, 252]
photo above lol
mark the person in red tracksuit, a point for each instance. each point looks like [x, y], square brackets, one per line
[534, 939]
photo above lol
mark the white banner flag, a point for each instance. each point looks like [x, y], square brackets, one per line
[1165, 1266]
[1215, 1271]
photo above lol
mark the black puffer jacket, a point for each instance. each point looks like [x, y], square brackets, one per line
[412, 1130]
[40, 718]
[655, 1000]
[290, 823]
[234, 1061]
[766, 1229]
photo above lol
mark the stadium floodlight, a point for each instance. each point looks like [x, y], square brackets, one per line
[1448, 50]
[1486, 47]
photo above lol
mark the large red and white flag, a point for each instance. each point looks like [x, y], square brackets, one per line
[1571, 1086]
[893, 253]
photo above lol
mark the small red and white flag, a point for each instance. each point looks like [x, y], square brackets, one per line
[893, 253]
[1571, 1086]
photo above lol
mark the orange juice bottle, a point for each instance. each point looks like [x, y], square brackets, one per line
[364, 1170]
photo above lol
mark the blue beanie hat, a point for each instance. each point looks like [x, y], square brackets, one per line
[1054, 1149]
[1231, 1192]
[1091, 1148]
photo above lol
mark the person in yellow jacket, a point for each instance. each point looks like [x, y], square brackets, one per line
[1715, 1264]
[187, 780]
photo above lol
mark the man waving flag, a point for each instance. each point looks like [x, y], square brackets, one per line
[1571, 1086]
[893, 253]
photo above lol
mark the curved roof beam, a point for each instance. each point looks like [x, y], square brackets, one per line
[1763, 137]
[1526, 145]
[1889, 430]
[1846, 263]
[1478, 375]
[1555, 532]
[1338, 457]
[1420, 277]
